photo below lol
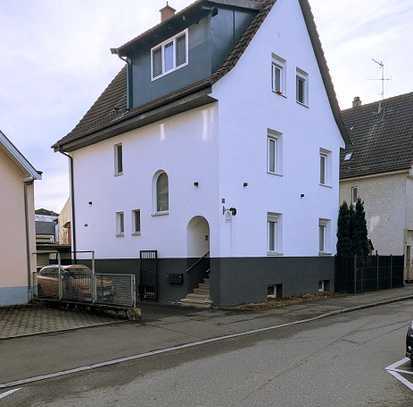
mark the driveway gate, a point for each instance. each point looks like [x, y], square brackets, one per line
[149, 278]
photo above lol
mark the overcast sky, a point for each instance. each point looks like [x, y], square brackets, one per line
[55, 61]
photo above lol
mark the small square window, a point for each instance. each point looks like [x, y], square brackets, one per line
[302, 87]
[136, 221]
[273, 233]
[120, 224]
[279, 79]
[118, 160]
[324, 236]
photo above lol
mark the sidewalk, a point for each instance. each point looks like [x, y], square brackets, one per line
[162, 327]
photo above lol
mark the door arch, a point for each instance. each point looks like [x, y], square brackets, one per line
[198, 237]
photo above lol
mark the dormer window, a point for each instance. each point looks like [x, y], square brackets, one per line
[170, 56]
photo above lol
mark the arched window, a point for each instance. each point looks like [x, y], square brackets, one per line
[162, 192]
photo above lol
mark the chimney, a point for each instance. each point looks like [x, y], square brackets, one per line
[167, 12]
[357, 102]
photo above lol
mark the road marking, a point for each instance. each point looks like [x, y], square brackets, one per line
[8, 393]
[396, 373]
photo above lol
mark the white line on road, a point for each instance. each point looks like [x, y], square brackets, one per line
[8, 393]
[395, 372]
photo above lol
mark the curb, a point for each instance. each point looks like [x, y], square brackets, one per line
[35, 379]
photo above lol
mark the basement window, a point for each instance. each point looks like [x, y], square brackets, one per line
[170, 55]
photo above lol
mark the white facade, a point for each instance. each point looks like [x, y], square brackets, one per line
[223, 148]
[388, 202]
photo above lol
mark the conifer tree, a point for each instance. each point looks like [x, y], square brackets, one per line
[344, 245]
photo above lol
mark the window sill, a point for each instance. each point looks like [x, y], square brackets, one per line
[303, 104]
[326, 186]
[119, 174]
[136, 234]
[274, 254]
[277, 174]
[323, 254]
[163, 213]
[283, 95]
[120, 235]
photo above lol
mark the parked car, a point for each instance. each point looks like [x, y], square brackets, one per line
[409, 343]
[76, 282]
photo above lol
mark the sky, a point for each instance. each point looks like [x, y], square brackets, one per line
[55, 62]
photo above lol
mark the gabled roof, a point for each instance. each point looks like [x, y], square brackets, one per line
[110, 109]
[382, 139]
[18, 157]
[45, 212]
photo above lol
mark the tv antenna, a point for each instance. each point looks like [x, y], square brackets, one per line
[383, 78]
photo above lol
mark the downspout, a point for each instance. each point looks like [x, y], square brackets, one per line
[27, 183]
[72, 199]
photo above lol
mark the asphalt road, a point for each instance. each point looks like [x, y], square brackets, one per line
[337, 362]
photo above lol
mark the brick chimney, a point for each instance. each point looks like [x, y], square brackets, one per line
[167, 12]
[357, 101]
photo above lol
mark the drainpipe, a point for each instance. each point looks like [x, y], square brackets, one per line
[28, 182]
[72, 199]
[129, 82]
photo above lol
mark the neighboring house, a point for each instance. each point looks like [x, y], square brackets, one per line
[378, 170]
[47, 228]
[17, 240]
[220, 137]
[65, 221]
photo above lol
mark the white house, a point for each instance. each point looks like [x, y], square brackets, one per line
[221, 137]
[378, 169]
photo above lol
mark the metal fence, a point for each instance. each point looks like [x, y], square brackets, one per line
[77, 283]
[360, 274]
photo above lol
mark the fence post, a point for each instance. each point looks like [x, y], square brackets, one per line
[377, 270]
[391, 271]
[94, 283]
[355, 274]
[59, 276]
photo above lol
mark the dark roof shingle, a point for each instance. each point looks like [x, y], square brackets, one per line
[382, 139]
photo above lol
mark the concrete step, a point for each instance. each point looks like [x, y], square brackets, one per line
[196, 303]
[204, 286]
[201, 291]
[197, 297]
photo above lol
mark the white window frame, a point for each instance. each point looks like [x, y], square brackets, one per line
[325, 226]
[276, 219]
[155, 194]
[281, 64]
[326, 154]
[135, 213]
[120, 223]
[162, 46]
[276, 137]
[304, 76]
[354, 189]
[116, 159]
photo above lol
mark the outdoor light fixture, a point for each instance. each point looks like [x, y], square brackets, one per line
[232, 211]
[196, 184]
[245, 185]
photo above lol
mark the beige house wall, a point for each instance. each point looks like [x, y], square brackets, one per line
[388, 209]
[13, 242]
[64, 217]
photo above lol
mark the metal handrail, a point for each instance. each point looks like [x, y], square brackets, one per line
[199, 261]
